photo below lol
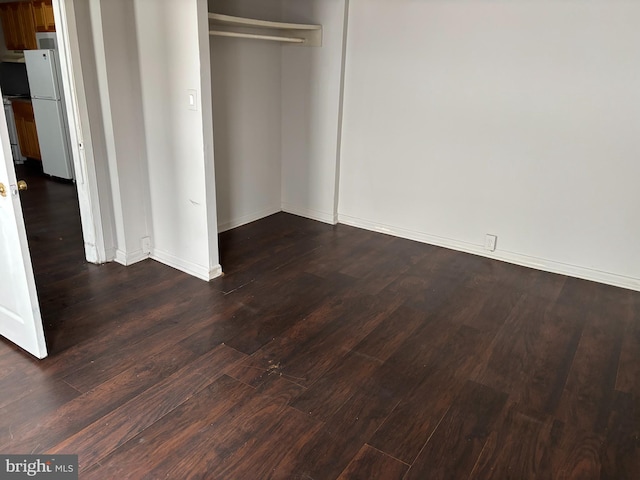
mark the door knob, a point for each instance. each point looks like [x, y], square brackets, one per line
[3, 190]
[22, 185]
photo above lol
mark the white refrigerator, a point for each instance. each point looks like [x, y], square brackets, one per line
[48, 107]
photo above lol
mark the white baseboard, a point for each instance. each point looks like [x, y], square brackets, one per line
[198, 271]
[110, 254]
[130, 258]
[288, 208]
[91, 253]
[324, 217]
[215, 271]
[510, 257]
[251, 217]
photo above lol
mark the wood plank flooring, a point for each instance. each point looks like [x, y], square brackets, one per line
[324, 352]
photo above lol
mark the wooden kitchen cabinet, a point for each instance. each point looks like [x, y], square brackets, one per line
[27, 26]
[26, 127]
[11, 25]
[18, 25]
[43, 16]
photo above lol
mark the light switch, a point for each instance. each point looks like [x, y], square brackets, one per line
[192, 97]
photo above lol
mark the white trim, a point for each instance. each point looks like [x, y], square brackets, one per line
[510, 257]
[83, 161]
[251, 217]
[343, 72]
[215, 271]
[324, 217]
[110, 254]
[185, 266]
[317, 215]
[126, 259]
[104, 99]
[206, 107]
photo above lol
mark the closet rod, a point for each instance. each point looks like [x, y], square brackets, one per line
[222, 33]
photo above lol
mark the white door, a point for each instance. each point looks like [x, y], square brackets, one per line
[20, 319]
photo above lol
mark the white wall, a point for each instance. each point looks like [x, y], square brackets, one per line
[311, 88]
[99, 235]
[276, 114]
[519, 119]
[246, 79]
[117, 62]
[173, 55]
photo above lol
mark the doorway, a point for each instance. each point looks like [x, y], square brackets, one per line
[54, 234]
[54, 211]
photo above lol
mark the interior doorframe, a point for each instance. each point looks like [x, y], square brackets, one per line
[94, 230]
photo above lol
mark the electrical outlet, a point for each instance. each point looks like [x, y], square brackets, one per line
[490, 242]
[145, 243]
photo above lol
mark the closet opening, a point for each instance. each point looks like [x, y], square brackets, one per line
[276, 70]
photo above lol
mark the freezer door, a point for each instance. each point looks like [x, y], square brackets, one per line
[53, 139]
[42, 74]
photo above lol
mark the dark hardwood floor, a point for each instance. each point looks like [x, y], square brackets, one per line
[323, 352]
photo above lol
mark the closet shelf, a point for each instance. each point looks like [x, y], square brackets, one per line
[241, 27]
[256, 36]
